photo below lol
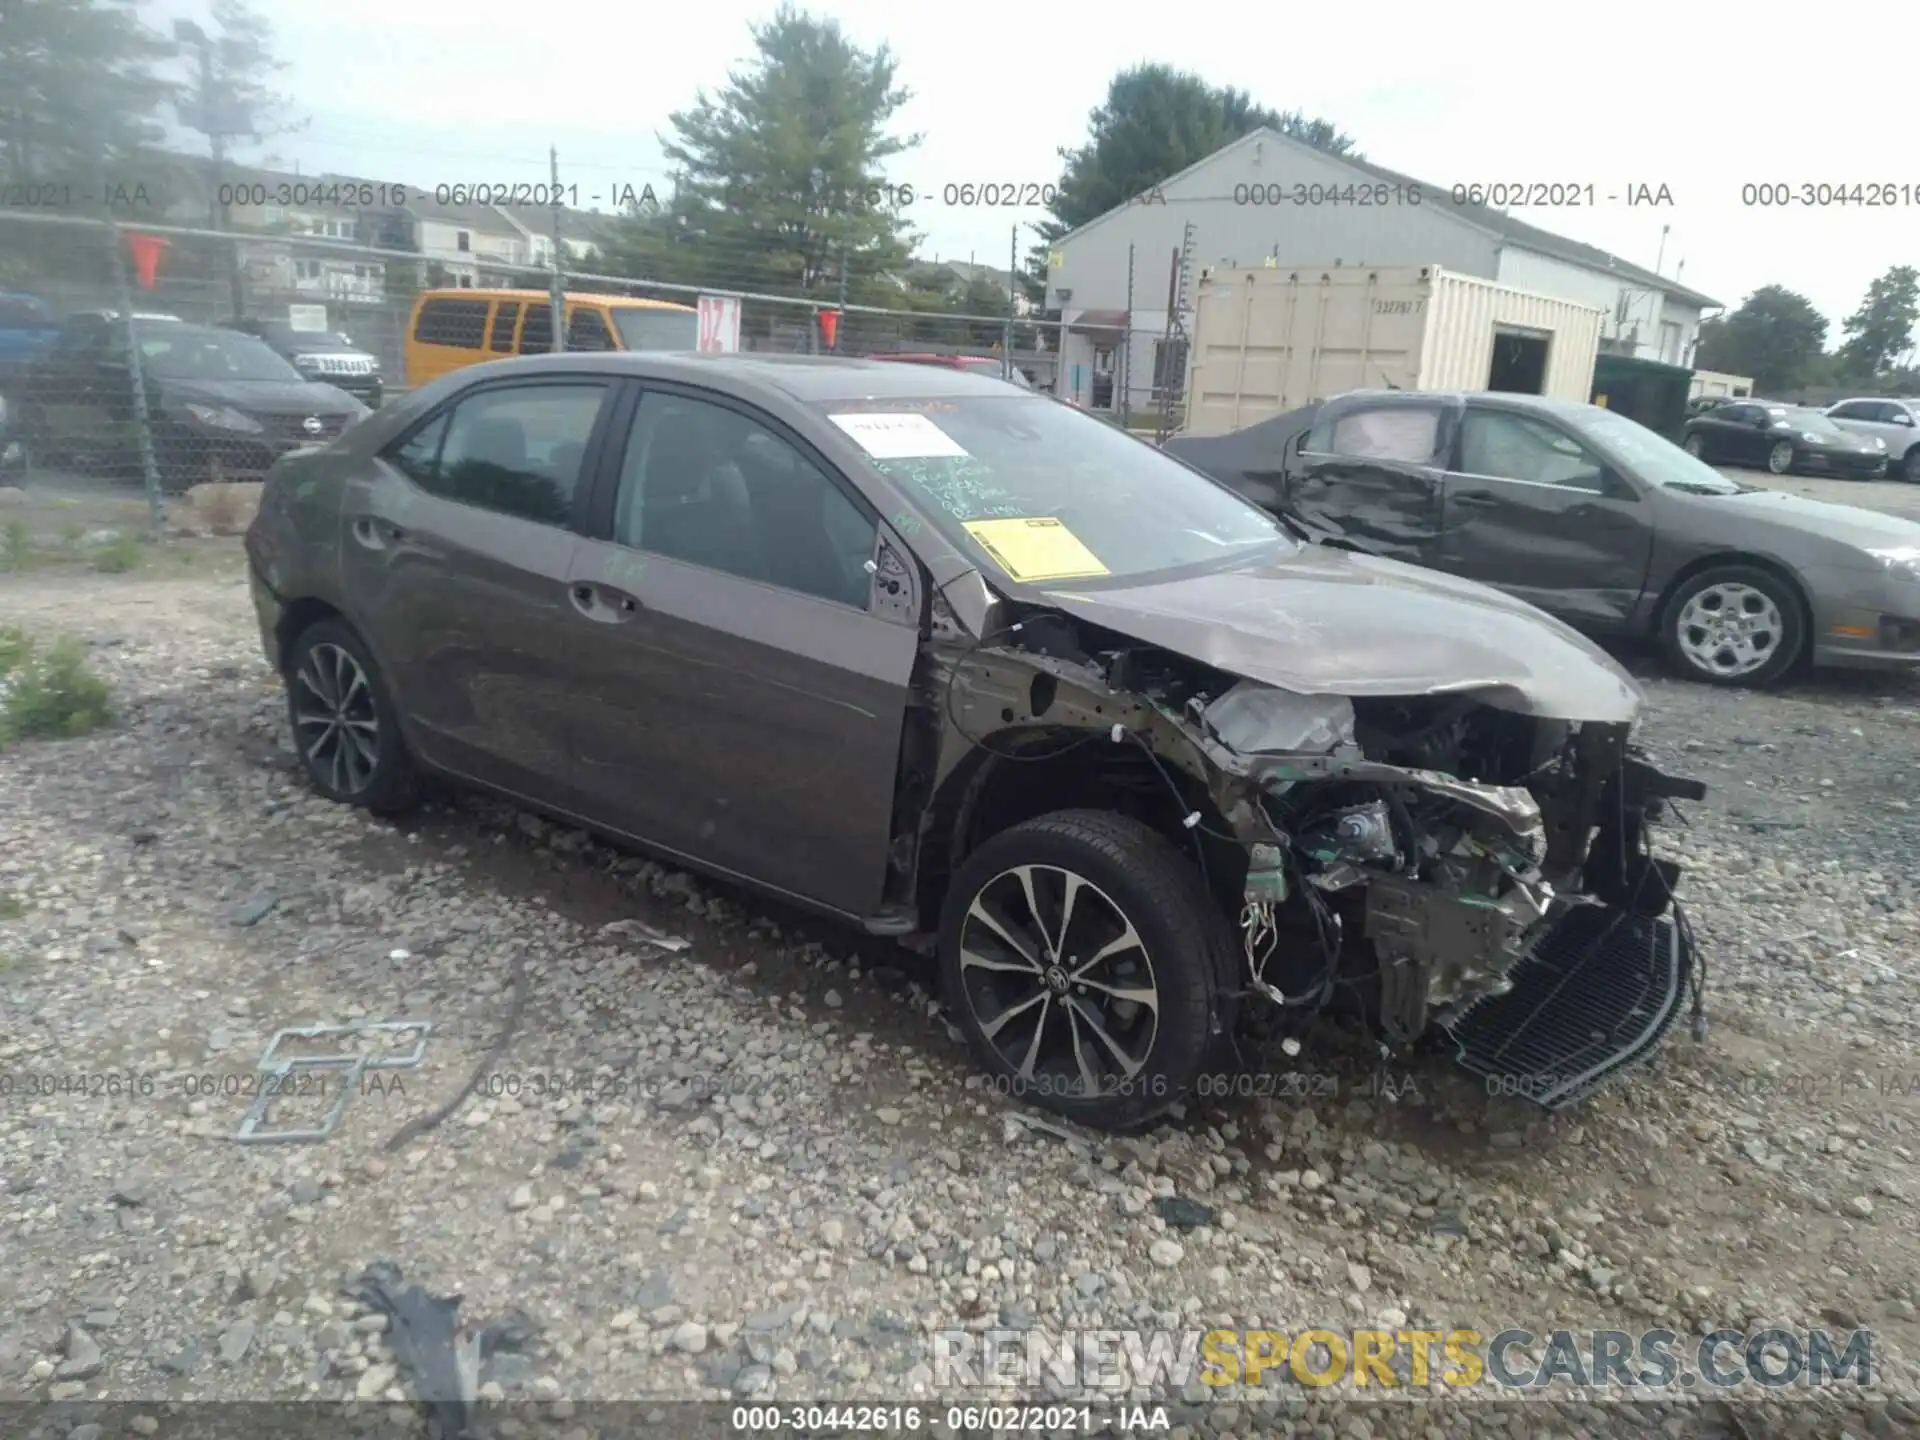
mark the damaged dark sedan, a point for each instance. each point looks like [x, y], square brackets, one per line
[960, 664]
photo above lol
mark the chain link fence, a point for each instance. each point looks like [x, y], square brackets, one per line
[169, 357]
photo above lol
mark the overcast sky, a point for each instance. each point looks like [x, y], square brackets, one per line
[1673, 95]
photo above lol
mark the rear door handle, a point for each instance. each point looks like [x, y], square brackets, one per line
[606, 606]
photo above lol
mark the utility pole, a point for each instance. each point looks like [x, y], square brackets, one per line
[843, 290]
[136, 371]
[1126, 351]
[557, 294]
[1013, 291]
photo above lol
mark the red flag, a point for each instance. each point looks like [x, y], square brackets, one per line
[829, 326]
[146, 257]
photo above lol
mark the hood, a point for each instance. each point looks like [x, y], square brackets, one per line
[264, 397]
[1846, 524]
[1330, 622]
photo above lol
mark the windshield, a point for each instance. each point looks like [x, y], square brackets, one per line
[1814, 423]
[647, 329]
[1041, 492]
[211, 355]
[1652, 458]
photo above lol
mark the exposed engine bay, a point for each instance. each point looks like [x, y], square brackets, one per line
[1418, 851]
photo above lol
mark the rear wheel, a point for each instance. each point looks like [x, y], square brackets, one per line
[1780, 457]
[1910, 467]
[345, 727]
[1734, 625]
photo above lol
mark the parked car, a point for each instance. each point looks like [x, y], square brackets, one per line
[1595, 519]
[324, 355]
[27, 327]
[1782, 439]
[1895, 423]
[221, 406]
[945, 658]
[452, 328]
[972, 364]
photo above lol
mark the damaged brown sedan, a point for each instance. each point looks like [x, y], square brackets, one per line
[961, 664]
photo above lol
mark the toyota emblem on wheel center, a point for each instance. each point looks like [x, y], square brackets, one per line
[312, 425]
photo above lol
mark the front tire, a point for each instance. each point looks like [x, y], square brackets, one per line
[1087, 965]
[1780, 458]
[1734, 625]
[1910, 467]
[345, 727]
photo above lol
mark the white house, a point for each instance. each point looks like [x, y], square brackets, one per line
[1268, 196]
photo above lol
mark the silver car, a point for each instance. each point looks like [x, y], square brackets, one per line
[1897, 422]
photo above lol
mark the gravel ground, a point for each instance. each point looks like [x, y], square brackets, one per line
[787, 1173]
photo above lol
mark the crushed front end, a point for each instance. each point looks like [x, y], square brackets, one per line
[1455, 863]
[1462, 867]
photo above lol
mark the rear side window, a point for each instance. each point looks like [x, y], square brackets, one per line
[1402, 433]
[504, 319]
[461, 324]
[536, 333]
[514, 449]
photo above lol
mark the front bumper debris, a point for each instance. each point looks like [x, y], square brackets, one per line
[1590, 1000]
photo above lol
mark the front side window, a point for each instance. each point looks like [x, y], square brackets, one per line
[515, 449]
[1043, 492]
[1518, 447]
[711, 486]
[587, 330]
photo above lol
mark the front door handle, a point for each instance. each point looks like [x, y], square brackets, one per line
[376, 534]
[601, 604]
[1477, 497]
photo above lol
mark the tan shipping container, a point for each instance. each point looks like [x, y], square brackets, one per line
[1270, 340]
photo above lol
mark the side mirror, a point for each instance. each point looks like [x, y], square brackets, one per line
[1903, 418]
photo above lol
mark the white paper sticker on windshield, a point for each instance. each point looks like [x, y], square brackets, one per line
[899, 436]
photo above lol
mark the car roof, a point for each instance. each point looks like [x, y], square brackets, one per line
[583, 297]
[810, 379]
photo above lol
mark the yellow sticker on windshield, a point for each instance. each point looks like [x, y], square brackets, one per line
[1036, 549]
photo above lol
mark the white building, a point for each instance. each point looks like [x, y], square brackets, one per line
[1267, 196]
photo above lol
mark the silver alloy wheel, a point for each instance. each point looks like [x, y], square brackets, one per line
[1780, 458]
[1730, 629]
[334, 721]
[1694, 445]
[1059, 981]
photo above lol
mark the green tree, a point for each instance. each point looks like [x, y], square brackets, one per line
[244, 66]
[80, 87]
[1775, 335]
[1155, 123]
[779, 186]
[1880, 333]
